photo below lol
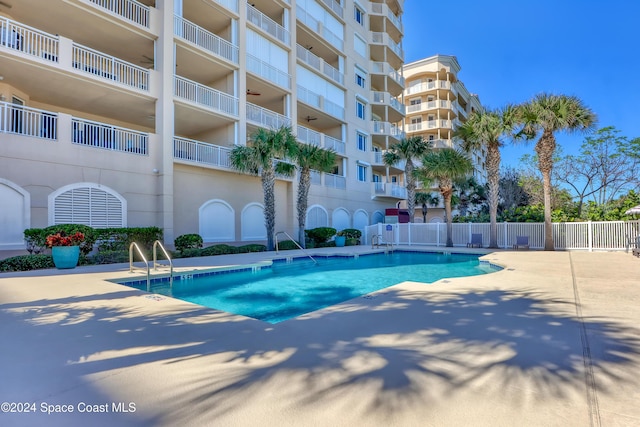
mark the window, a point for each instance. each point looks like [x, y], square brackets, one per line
[362, 141]
[431, 137]
[358, 15]
[360, 80]
[86, 203]
[360, 109]
[362, 173]
[415, 101]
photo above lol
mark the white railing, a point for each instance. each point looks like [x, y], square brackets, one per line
[331, 143]
[319, 64]
[442, 143]
[384, 10]
[606, 235]
[110, 68]
[27, 121]
[335, 181]
[315, 178]
[267, 24]
[379, 187]
[386, 99]
[201, 152]
[28, 40]
[320, 102]
[309, 136]
[335, 6]
[386, 128]
[205, 96]
[333, 109]
[205, 39]
[229, 4]
[108, 137]
[266, 118]
[424, 86]
[377, 157]
[269, 72]
[398, 191]
[129, 9]
[386, 40]
[386, 69]
[318, 28]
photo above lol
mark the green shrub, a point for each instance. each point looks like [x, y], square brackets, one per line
[287, 245]
[320, 234]
[112, 257]
[27, 263]
[119, 239]
[331, 244]
[351, 233]
[221, 249]
[352, 242]
[35, 237]
[188, 241]
[252, 248]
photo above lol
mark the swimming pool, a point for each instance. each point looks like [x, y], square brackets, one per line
[290, 288]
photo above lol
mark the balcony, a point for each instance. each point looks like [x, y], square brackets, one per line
[335, 181]
[268, 25]
[232, 5]
[127, 9]
[384, 69]
[320, 102]
[384, 40]
[429, 124]
[108, 137]
[312, 137]
[319, 64]
[425, 86]
[378, 160]
[334, 144]
[205, 96]
[27, 121]
[205, 39]
[386, 190]
[430, 105]
[266, 118]
[381, 9]
[385, 98]
[315, 26]
[442, 143]
[201, 152]
[387, 129]
[107, 67]
[268, 72]
[335, 7]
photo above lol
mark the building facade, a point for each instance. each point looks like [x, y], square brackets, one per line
[436, 102]
[123, 113]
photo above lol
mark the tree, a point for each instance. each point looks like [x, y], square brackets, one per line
[512, 195]
[606, 167]
[486, 129]
[260, 158]
[426, 199]
[543, 116]
[445, 167]
[309, 157]
[408, 149]
[469, 194]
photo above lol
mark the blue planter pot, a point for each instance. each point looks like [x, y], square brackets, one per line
[65, 256]
[340, 240]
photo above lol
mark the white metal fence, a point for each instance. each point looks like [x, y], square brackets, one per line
[109, 67]
[27, 121]
[606, 235]
[115, 138]
[129, 9]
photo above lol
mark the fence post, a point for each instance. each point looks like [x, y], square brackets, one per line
[590, 236]
[437, 234]
[409, 232]
[506, 232]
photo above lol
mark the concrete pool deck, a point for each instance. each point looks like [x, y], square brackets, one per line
[553, 339]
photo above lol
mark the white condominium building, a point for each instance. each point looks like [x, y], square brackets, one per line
[123, 113]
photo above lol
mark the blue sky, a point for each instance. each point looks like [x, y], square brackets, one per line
[510, 50]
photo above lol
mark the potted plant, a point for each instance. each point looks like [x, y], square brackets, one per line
[340, 239]
[65, 249]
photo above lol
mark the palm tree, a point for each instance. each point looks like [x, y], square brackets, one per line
[408, 149]
[545, 115]
[485, 129]
[309, 157]
[259, 158]
[426, 199]
[445, 166]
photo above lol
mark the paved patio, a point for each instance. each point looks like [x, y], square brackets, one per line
[553, 339]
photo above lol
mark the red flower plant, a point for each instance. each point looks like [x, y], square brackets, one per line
[61, 239]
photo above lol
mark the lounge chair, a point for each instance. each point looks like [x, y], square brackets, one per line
[476, 241]
[522, 242]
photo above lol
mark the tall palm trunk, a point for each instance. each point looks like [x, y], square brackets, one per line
[303, 194]
[411, 189]
[545, 149]
[447, 192]
[493, 183]
[268, 187]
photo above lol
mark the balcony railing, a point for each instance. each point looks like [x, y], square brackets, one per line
[28, 40]
[318, 63]
[335, 6]
[266, 118]
[385, 40]
[128, 9]
[442, 143]
[318, 28]
[309, 136]
[430, 105]
[27, 121]
[107, 137]
[335, 181]
[229, 4]
[201, 152]
[424, 86]
[108, 67]
[205, 39]
[382, 9]
[386, 128]
[320, 102]
[386, 99]
[385, 69]
[267, 24]
[389, 190]
[268, 72]
[316, 178]
[205, 96]
[331, 143]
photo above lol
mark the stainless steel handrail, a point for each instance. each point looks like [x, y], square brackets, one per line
[134, 245]
[166, 254]
[275, 238]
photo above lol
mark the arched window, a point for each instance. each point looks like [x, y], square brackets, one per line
[217, 221]
[341, 219]
[317, 216]
[378, 217]
[252, 222]
[15, 215]
[87, 203]
[360, 220]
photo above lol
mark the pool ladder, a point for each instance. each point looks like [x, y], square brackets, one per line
[376, 242]
[157, 243]
[275, 238]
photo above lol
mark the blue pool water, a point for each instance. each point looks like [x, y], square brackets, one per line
[290, 289]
